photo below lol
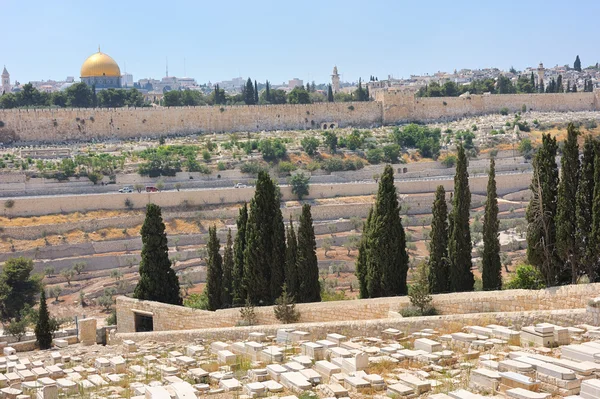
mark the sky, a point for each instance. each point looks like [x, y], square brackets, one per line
[282, 39]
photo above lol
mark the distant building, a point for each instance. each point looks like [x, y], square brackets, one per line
[295, 83]
[101, 71]
[5, 81]
[127, 80]
[335, 80]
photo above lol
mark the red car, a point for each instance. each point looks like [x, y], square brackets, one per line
[151, 189]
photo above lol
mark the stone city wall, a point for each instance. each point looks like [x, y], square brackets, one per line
[35, 206]
[169, 317]
[60, 125]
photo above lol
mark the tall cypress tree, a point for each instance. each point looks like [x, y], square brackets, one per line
[438, 244]
[158, 281]
[566, 217]
[559, 85]
[492, 267]
[593, 250]
[541, 212]
[43, 335]
[532, 81]
[214, 270]
[227, 283]
[577, 64]
[249, 92]
[361, 260]
[278, 253]
[268, 92]
[291, 272]
[459, 244]
[329, 93]
[255, 92]
[306, 259]
[584, 210]
[237, 283]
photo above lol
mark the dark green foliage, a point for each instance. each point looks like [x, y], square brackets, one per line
[424, 138]
[526, 277]
[329, 94]
[492, 267]
[214, 270]
[566, 217]
[292, 280]
[18, 288]
[248, 93]
[278, 253]
[361, 94]
[237, 283]
[285, 308]
[577, 64]
[227, 281]
[306, 259]
[593, 250]
[584, 212]
[299, 183]
[158, 281]
[298, 95]
[541, 212]
[419, 293]
[438, 245]
[264, 237]
[383, 261]
[272, 149]
[43, 332]
[361, 260]
[255, 92]
[331, 140]
[310, 144]
[459, 244]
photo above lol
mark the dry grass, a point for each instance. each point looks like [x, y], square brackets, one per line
[66, 218]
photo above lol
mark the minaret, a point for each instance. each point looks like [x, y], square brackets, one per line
[335, 80]
[540, 72]
[5, 81]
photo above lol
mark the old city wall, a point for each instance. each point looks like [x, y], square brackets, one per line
[169, 317]
[58, 125]
[35, 206]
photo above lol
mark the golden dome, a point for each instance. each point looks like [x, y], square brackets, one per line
[100, 64]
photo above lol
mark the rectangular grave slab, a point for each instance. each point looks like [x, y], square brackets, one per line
[337, 338]
[313, 350]
[230, 385]
[295, 381]
[273, 386]
[463, 394]
[226, 357]
[194, 350]
[590, 389]
[484, 378]
[335, 391]
[520, 393]
[427, 345]
[157, 393]
[275, 371]
[418, 385]
[312, 376]
[515, 380]
[556, 371]
[327, 369]
[581, 368]
[399, 389]
[356, 384]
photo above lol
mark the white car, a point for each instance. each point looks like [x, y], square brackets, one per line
[240, 185]
[126, 189]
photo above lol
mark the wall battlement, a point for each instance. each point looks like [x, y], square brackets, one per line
[390, 107]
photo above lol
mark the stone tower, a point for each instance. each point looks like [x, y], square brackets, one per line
[335, 80]
[5, 81]
[540, 72]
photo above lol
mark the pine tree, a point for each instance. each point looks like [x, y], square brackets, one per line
[492, 267]
[249, 92]
[387, 259]
[361, 260]
[43, 333]
[438, 244]
[214, 270]
[583, 209]
[329, 94]
[459, 244]
[291, 272]
[264, 234]
[541, 212]
[227, 283]
[306, 259]
[158, 281]
[566, 217]
[577, 64]
[237, 283]
[255, 92]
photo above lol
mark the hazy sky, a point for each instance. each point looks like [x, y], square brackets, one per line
[282, 39]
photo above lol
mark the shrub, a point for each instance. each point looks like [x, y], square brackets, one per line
[111, 320]
[252, 167]
[106, 301]
[128, 203]
[504, 111]
[418, 292]
[526, 277]
[310, 144]
[9, 203]
[374, 155]
[449, 161]
[248, 316]
[221, 165]
[17, 328]
[300, 185]
[286, 167]
[197, 301]
[285, 308]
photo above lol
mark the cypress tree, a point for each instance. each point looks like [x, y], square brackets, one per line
[306, 259]
[492, 268]
[268, 92]
[255, 92]
[291, 272]
[329, 94]
[227, 286]
[361, 260]
[568, 86]
[594, 245]
[237, 283]
[43, 335]
[438, 244]
[566, 217]
[214, 270]
[559, 85]
[583, 209]
[577, 64]
[382, 263]
[574, 87]
[158, 281]
[541, 212]
[249, 92]
[459, 244]
[264, 253]
[532, 80]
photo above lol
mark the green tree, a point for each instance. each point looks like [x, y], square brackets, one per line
[329, 94]
[577, 64]
[584, 211]
[299, 183]
[492, 267]
[285, 308]
[268, 92]
[18, 288]
[541, 212]
[566, 216]
[438, 244]
[248, 93]
[237, 283]
[227, 283]
[278, 252]
[459, 243]
[306, 259]
[158, 281]
[292, 280]
[79, 95]
[214, 270]
[593, 249]
[310, 144]
[255, 92]
[43, 332]
[361, 260]
[299, 95]
[331, 140]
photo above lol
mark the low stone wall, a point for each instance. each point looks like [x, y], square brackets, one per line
[169, 317]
